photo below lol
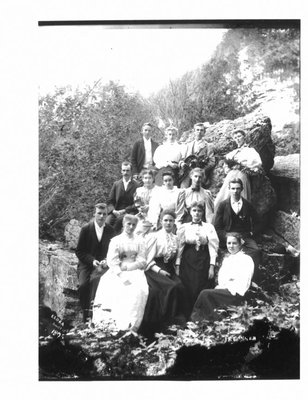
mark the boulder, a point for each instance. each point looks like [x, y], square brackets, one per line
[58, 281]
[285, 179]
[287, 226]
[258, 135]
[71, 233]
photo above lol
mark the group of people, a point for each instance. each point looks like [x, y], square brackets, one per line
[148, 259]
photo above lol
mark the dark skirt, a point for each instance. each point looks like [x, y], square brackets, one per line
[194, 271]
[167, 300]
[210, 300]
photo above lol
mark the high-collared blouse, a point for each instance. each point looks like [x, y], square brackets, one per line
[204, 233]
[235, 273]
[167, 152]
[188, 196]
[161, 244]
[126, 249]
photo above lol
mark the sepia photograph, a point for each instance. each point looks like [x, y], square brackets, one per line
[169, 200]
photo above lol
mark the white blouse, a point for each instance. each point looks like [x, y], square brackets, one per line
[247, 156]
[167, 152]
[128, 250]
[235, 273]
[204, 234]
[160, 244]
[162, 200]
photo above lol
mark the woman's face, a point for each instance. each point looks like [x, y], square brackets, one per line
[196, 214]
[233, 245]
[239, 138]
[147, 180]
[167, 223]
[168, 181]
[171, 135]
[129, 226]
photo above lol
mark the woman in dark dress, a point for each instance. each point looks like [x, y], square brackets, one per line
[167, 301]
[196, 259]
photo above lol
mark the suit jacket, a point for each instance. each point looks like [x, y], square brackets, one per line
[138, 155]
[89, 248]
[119, 198]
[223, 217]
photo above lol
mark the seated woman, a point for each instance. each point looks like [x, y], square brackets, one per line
[168, 155]
[167, 302]
[239, 163]
[166, 197]
[234, 279]
[197, 253]
[123, 289]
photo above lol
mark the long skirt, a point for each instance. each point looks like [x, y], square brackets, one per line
[167, 300]
[194, 271]
[210, 300]
[224, 193]
[121, 299]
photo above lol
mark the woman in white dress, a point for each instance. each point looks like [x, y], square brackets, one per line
[166, 198]
[234, 279]
[168, 155]
[239, 163]
[123, 290]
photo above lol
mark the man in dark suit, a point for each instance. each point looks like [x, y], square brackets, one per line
[121, 198]
[236, 214]
[143, 150]
[91, 251]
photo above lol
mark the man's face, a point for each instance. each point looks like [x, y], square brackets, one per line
[235, 191]
[199, 131]
[147, 132]
[126, 171]
[196, 179]
[100, 216]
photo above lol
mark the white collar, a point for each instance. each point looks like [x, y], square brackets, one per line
[99, 227]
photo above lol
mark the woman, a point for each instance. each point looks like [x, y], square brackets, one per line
[197, 253]
[167, 302]
[123, 289]
[168, 155]
[239, 163]
[167, 197]
[234, 279]
[144, 193]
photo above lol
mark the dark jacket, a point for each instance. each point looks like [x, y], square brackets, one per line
[225, 218]
[89, 248]
[138, 155]
[120, 199]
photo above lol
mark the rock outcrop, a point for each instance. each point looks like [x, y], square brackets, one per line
[285, 179]
[71, 233]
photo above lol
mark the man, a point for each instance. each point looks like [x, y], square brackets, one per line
[203, 156]
[143, 150]
[236, 214]
[192, 194]
[121, 197]
[91, 251]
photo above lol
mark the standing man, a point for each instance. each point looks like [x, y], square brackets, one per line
[91, 251]
[200, 153]
[121, 198]
[143, 150]
[192, 194]
[236, 214]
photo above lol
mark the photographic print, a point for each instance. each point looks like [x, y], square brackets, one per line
[169, 200]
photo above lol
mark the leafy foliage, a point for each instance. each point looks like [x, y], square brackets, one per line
[84, 137]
